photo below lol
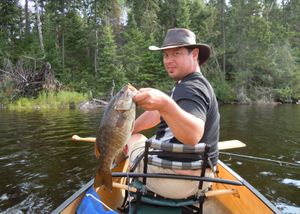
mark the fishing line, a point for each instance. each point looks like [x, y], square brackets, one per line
[281, 163]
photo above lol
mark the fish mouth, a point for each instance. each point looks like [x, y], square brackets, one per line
[130, 87]
[123, 106]
[125, 101]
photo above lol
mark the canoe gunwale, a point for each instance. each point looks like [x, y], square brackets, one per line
[73, 197]
[250, 187]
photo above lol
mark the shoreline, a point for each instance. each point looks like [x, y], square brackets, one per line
[95, 104]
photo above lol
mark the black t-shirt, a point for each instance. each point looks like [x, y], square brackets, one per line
[195, 95]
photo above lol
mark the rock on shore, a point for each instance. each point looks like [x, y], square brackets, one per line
[92, 104]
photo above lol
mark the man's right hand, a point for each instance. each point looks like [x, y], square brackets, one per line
[152, 99]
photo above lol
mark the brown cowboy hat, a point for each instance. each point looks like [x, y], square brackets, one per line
[181, 37]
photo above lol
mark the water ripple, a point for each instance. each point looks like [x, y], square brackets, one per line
[288, 209]
[292, 182]
[40, 166]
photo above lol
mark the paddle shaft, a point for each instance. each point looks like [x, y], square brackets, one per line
[230, 144]
[124, 186]
[84, 139]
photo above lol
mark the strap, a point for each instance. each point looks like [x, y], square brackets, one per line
[156, 161]
[174, 147]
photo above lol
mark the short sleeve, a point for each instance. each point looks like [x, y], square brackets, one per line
[192, 98]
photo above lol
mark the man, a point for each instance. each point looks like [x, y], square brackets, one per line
[189, 116]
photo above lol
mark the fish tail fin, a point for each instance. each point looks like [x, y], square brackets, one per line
[103, 178]
[97, 152]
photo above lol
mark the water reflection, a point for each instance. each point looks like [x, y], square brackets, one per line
[269, 132]
[40, 166]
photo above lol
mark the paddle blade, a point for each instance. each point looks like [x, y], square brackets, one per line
[230, 144]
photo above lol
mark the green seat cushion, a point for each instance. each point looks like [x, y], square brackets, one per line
[161, 201]
[145, 208]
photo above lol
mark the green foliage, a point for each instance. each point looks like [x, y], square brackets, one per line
[223, 90]
[146, 14]
[9, 33]
[93, 44]
[49, 100]
[143, 67]
[133, 49]
[6, 91]
[183, 14]
[283, 94]
[110, 70]
[296, 88]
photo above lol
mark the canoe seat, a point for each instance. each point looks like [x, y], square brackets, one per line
[172, 156]
[150, 203]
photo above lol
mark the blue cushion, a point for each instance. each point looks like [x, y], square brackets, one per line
[91, 204]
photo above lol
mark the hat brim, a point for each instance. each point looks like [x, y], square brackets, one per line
[203, 49]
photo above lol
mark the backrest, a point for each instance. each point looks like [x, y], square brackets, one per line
[166, 155]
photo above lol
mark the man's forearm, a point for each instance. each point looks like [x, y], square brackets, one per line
[146, 120]
[187, 128]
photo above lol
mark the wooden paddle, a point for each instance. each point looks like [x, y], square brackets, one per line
[230, 144]
[84, 139]
[223, 145]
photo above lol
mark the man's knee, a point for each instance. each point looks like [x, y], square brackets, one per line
[136, 138]
[136, 146]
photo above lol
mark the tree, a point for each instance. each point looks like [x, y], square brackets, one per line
[183, 14]
[39, 27]
[143, 67]
[27, 23]
[90, 43]
[145, 13]
[134, 46]
[9, 30]
[167, 14]
[111, 70]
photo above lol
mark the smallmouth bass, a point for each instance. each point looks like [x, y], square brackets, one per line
[115, 130]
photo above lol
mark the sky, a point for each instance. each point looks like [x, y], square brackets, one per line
[31, 4]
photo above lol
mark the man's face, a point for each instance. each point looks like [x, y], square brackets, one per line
[179, 62]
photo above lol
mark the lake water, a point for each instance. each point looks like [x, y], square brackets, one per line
[40, 166]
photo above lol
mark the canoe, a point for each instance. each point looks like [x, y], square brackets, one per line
[223, 198]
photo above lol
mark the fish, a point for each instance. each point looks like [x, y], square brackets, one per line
[115, 129]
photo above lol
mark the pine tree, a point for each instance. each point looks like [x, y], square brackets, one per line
[167, 14]
[145, 13]
[183, 14]
[111, 71]
[9, 28]
[132, 51]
